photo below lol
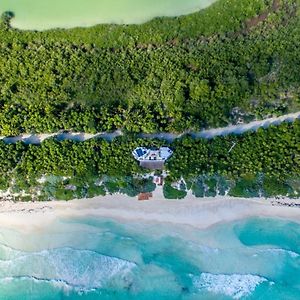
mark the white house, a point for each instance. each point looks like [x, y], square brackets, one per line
[142, 153]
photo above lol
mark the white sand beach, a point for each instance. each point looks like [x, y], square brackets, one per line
[196, 212]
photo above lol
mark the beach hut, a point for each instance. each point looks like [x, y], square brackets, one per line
[144, 196]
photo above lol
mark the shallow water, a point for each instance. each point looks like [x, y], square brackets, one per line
[45, 14]
[92, 258]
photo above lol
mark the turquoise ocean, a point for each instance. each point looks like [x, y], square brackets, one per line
[91, 258]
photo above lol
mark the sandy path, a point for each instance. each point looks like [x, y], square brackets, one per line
[252, 126]
[209, 133]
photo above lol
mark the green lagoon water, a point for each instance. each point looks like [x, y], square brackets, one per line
[90, 258]
[46, 14]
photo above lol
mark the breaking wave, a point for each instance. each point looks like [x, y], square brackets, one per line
[57, 283]
[235, 285]
[80, 269]
[170, 265]
[280, 251]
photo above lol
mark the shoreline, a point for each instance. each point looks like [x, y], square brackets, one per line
[200, 213]
[61, 16]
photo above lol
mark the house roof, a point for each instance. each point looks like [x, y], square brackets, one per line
[141, 153]
[152, 164]
[144, 196]
[165, 152]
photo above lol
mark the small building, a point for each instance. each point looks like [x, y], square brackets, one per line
[152, 158]
[158, 180]
[144, 196]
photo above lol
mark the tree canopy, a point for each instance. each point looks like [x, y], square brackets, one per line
[234, 61]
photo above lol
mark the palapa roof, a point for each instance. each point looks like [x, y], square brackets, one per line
[152, 164]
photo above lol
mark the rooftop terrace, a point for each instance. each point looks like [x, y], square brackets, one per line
[152, 158]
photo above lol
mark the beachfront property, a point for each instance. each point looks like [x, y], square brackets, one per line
[152, 158]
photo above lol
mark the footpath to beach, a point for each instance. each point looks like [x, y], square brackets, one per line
[209, 133]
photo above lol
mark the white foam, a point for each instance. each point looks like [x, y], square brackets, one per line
[282, 251]
[83, 269]
[56, 283]
[234, 285]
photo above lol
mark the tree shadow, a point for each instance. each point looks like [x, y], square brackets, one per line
[6, 18]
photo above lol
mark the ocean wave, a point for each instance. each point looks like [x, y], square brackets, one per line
[281, 251]
[7, 252]
[234, 285]
[56, 283]
[85, 269]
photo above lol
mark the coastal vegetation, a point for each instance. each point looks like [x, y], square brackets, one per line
[234, 61]
[273, 151]
[261, 163]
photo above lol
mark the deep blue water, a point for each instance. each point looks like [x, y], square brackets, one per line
[102, 259]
